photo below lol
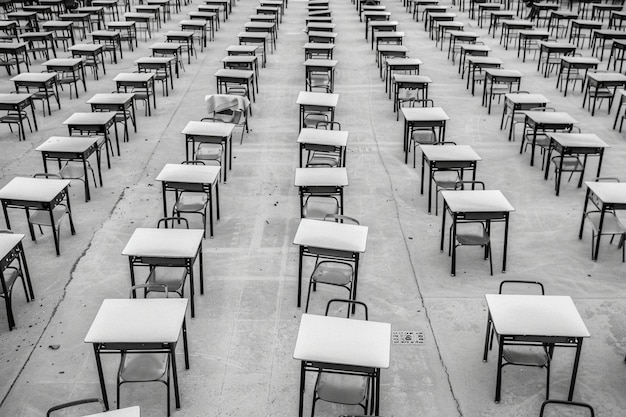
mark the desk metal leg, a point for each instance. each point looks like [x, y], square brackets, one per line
[300, 261]
[499, 370]
[302, 380]
[579, 345]
[174, 374]
[103, 388]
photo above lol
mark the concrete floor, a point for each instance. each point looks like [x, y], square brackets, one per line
[243, 335]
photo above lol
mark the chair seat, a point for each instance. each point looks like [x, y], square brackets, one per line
[526, 357]
[11, 274]
[319, 207]
[610, 226]
[326, 160]
[191, 201]
[570, 164]
[42, 217]
[424, 137]
[172, 277]
[446, 179]
[342, 389]
[143, 367]
[471, 234]
[72, 170]
[334, 273]
[208, 152]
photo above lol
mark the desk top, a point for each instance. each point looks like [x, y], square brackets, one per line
[578, 140]
[535, 315]
[517, 23]
[36, 35]
[192, 174]
[169, 46]
[310, 98]
[240, 59]
[424, 114]
[608, 192]
[63, 62]
[122, 412]
[102, 118]
[138, 320]
[8, 241]
[105, 33]
[580, 60]
[41, 77]
[521, 98]
[13, 98]
[208, 129]
[237, 73]
[155, 59]
[587, 23]
[403, 61]
[260, 25]
[70, 144]
[550, 117]
[477, 201]
[42, 190]
[534, 32]
[12, 46]
[86, 47]
[323, 137]
[329, 63]
[321, 177]
[607, 76]
[134, 77]
[343, 341]
[462, 34]
[111, 98]
[411, 78]
[475, 48]
[135, 15]
[557, 45]
[331, 235]
[489, 60]
[164, 243]
[500, 72]
[439, 153]
[315, 45]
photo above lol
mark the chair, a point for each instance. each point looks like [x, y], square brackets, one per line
[144, 366]
[15, 118]
[8, 278]
[342, 388]
[574, 405]
[541, 139]
[599, 94]
[167, 279]
[324, 155]
[76, 405]
[520, 353]
[328, 269]
[194, 200]
[567, 163]
[228, 108]
[420, 136]
[446, 178]
[471, 230]
[41, 218]
[611, 224]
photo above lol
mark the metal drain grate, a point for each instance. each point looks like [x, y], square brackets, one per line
[407, 337]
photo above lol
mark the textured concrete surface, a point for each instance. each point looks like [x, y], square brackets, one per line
[243, 335]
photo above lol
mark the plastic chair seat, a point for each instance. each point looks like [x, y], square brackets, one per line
[534, 357]
[610, 226]
[42, 217]
[143, 367]
[333, 273]
[191, 201]
[341, 389]
[173, 278]
[11, 274]
[208, 152]
[317, 207]
[472, 234]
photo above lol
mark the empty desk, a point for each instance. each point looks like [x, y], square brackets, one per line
[570, 65]
[210, 132]
[543, 121]
[44, 83]
[93, 54]
[17, 103]
[321, 181]
[138, 82]
[326, 140]
[314, 103]
[423, 117]
[122, 104]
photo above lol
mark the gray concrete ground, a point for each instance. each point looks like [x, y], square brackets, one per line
[243, 335]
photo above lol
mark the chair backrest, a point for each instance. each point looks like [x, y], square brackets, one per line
[511, 286]
[193, 162]
[47, 175]
[561, 405]
[326, 124]
[76, 404]
[462, 185]
[169, 222]
[340, 218]
[347, 304]
[148, 287]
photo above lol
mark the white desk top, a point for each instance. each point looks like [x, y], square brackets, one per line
[42, 190]
[500, 72]
[476, 201]
[155, 59]
[62, 62]
[68, 143]
[111, 98]
[608, 192]
[170, 46]
[314, 45]
[34, 76]
[343, 341]
[424, 114]
[14, 98]
[237, 73]
[535, 315]
[489, 60]
[521, 98]
[321, 177]
[86, 47]
[215, 129]
[323, 137]
[404, 61]
[330, 63]
[450, 153]
[8, 242]
[550, 117]
[331, 235]
[102, 117]
[580, 60]
[578, 140]
[411, 78]
[138, 320]
[193, 174]
[164, 243]
[309, 98]
[134, 76]
[122, 412]
[607, 76]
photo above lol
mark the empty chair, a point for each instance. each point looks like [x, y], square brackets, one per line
[420, 136]
[520, 353]
[541, 138]
[16, 118]
[331, 271]
[78, 405]
[194, 201]
[8, 278]
[342, 388]
[324, 155]
[567, 163]
[41, 218]
[611, 225]
[228, 108]
[574, 406]
[144, 366]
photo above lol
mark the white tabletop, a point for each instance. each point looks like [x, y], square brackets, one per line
[404, 61]
[521, 98]
[155, 59]
[134, 76]
[330, 63]
[309, 98]
[476, 201]
[122, 412]
[193, 174]
[13, 98]
[166, 45]
[68, 143]
[331, 235]
[411, 78]
[101, 117]
[323, 137]
[86, 47]
[578, 140]
[607, 76]
[535, 315]
[488, 60]
[42, 190]
[424, 114]
[138, 320]
[164, 243]
[580, 60]
[450, 153]
[34, 76]
[215, 129]
[500, 72]
[111, 98]
[608, 192]
[343, 341]
[237, 73]
[321, 177]
[62, 62]
[8, 242]
[550, 117]
[314, 45]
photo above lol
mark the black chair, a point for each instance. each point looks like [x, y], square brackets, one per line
[8, 278]
[561, 404]
[77, 405]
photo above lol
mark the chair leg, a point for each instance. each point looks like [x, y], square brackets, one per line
[308, 296]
